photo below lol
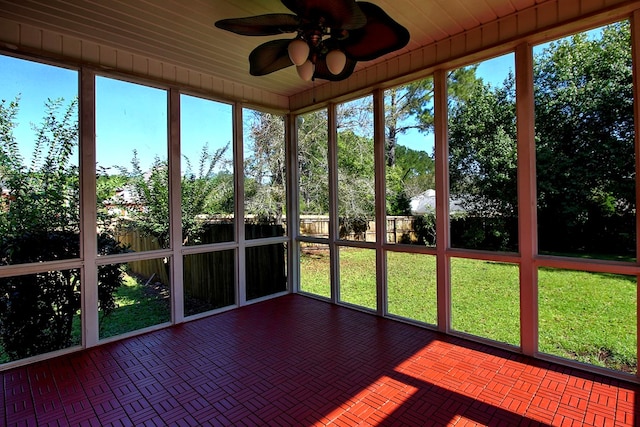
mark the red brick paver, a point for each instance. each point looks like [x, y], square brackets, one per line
[298, 361]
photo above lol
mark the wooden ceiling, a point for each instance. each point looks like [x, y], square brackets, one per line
[182, 33]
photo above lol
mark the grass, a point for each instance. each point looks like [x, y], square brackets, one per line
[588, 317]
[417, 301]
[314, 271]
[485, 299]
[139, 305]
[358, 267]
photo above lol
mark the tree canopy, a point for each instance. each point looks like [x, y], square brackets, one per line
[585, 138]
[585, 157]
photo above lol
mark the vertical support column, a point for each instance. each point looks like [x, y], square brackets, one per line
[635, 51]
[380, 200]
[332, 159]
[527, 206]
[442, 200]
[175, 211]
[89, 243]
[238, 162]
[293, 205]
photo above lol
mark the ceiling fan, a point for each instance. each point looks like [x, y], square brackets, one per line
[331, 37]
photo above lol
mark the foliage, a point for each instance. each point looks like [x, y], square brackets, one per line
[483, 167]
[495, 233]
[208, 192]
[416, 170]
[483, 150]
[355, 164]
[39, 221]
[356, 189]
[106, 187]
[585, 141]
[313, 163]
[425, 228]
[43, 196]
[205, 192]
[151, 196]
[397, 200]
[411, 106]
[584, 147]
[411, 172]
[265, 168]
[356, 185]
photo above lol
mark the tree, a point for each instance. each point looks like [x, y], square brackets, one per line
[356, 187]
[39, 221]
[410, 107]
[313, 165]
[585, 141]
[413, 174]
[584, 145]
[355, 161]
[43, 196]
[209, 191]
[265, 167]
[483, 168]
[483, 150]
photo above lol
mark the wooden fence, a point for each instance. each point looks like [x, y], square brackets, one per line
[156, 269]
[400, 229]
[210, 277]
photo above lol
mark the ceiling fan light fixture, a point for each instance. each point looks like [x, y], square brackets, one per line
[298, 51]
[336, 60]
[356, 30]
[306, 70]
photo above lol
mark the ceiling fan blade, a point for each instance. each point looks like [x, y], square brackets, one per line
[269, 57]
[381, 35]
[322, 71]
[344, 14]
[261, 25]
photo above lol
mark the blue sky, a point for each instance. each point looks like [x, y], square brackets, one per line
[134, 116]
[43, 82]
[125, 123]
[492, 71]
[128, 116]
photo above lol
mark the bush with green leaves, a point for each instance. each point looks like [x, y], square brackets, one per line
[206, 193]
[39, 221]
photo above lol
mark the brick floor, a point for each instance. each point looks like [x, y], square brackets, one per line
[298, 361]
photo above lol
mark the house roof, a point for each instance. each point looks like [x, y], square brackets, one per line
[425, 202]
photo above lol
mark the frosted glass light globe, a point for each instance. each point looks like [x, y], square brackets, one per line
[336, 60]
[305, 71]
[298, 51]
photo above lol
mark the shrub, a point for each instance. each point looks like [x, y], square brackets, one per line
[37, 310]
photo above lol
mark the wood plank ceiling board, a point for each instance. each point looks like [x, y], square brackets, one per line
[500, 7]
[182, 33]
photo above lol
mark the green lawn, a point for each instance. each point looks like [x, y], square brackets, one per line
[139, 305]
[589, 317]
